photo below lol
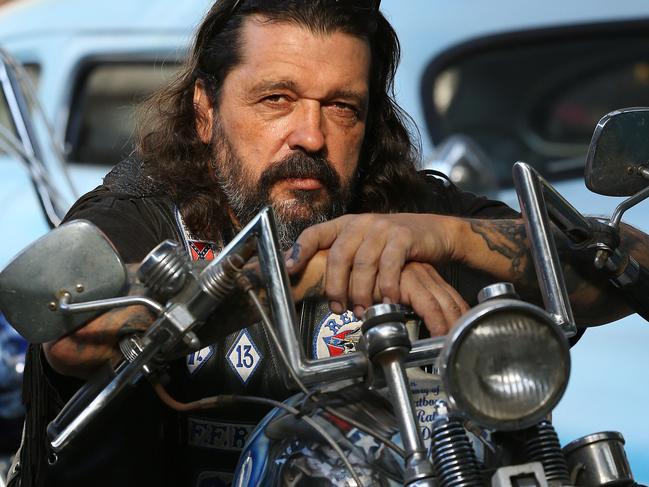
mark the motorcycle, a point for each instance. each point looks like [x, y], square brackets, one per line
[371, 417]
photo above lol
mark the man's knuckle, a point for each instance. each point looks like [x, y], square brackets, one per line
[433, 303]
[361, 299]
[334, 291]
[406, 233]
[455, 309]
[402, 236]
[389, 288]
[337, 254]
[362, 259]
[368, 220]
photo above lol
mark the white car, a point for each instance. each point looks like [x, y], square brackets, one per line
[487, 83]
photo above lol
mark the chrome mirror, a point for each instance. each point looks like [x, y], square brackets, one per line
[618, 157]
[76, 258]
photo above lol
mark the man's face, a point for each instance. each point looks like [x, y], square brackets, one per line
[290, 123]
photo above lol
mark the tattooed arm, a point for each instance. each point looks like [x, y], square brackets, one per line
[83, 352]
[502, 248]
[368, 251]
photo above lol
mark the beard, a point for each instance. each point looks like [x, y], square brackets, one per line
[304, 208]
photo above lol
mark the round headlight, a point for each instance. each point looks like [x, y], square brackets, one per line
[505, 364]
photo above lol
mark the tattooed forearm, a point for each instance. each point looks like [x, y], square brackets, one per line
[593, 299]
[507, 238]
[111, 327]
[599, 302]
[136, 322]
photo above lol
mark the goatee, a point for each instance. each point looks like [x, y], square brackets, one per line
[246, 197]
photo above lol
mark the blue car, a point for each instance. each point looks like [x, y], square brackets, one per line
[12, 363]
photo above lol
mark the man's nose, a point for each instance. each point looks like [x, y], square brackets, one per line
[307, 132]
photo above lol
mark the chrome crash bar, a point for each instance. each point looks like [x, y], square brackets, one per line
[538, 201]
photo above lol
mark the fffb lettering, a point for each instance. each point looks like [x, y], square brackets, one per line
[217, 436]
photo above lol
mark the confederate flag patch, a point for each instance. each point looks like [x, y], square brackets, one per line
[201, 250]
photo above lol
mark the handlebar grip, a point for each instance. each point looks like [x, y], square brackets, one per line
[80, 401]
[90, 401]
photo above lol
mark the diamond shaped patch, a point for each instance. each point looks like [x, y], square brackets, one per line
[196, 360]
[244, 357]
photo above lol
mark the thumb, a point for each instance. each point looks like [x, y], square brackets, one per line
[313, 239]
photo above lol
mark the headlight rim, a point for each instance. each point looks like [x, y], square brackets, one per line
[451, 346]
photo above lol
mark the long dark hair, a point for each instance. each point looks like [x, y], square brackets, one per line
[172, 152]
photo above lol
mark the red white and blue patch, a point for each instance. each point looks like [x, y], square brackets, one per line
[336, 335]
[201, 250]
[198, 249]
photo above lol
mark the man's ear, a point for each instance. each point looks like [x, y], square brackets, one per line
[204, 112]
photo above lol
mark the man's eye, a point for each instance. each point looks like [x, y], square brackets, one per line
[275, 99]
[345, 110]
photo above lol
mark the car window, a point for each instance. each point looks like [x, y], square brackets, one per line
[102, 113]
[33, 71]
[537, 97]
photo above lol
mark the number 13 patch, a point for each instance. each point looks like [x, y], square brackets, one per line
[244, 357]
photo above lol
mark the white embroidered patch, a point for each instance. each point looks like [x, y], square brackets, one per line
[196, 360]
[244, 356]
[204, 433]
[336, 335]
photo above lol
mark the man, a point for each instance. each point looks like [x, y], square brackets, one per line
[284, 103]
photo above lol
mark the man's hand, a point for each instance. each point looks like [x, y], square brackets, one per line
[420, 287]
[430, 296]
[384, 258]
[372, 248]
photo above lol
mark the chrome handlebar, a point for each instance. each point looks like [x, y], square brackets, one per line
[180, 316]
[178, 319]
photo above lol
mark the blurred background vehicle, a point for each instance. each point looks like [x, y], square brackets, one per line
[487, 84]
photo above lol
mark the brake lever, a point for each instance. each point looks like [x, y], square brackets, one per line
[92, 399]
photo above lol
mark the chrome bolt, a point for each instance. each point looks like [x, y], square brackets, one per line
[601, 256]
[79, 288]
[192, 341]
[52, 306]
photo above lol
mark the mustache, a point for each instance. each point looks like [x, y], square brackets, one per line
[301, 165]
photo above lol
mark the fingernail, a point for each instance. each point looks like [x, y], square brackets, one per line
[336, 307]
[289, 263]
[359, 310]
[387, 300]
